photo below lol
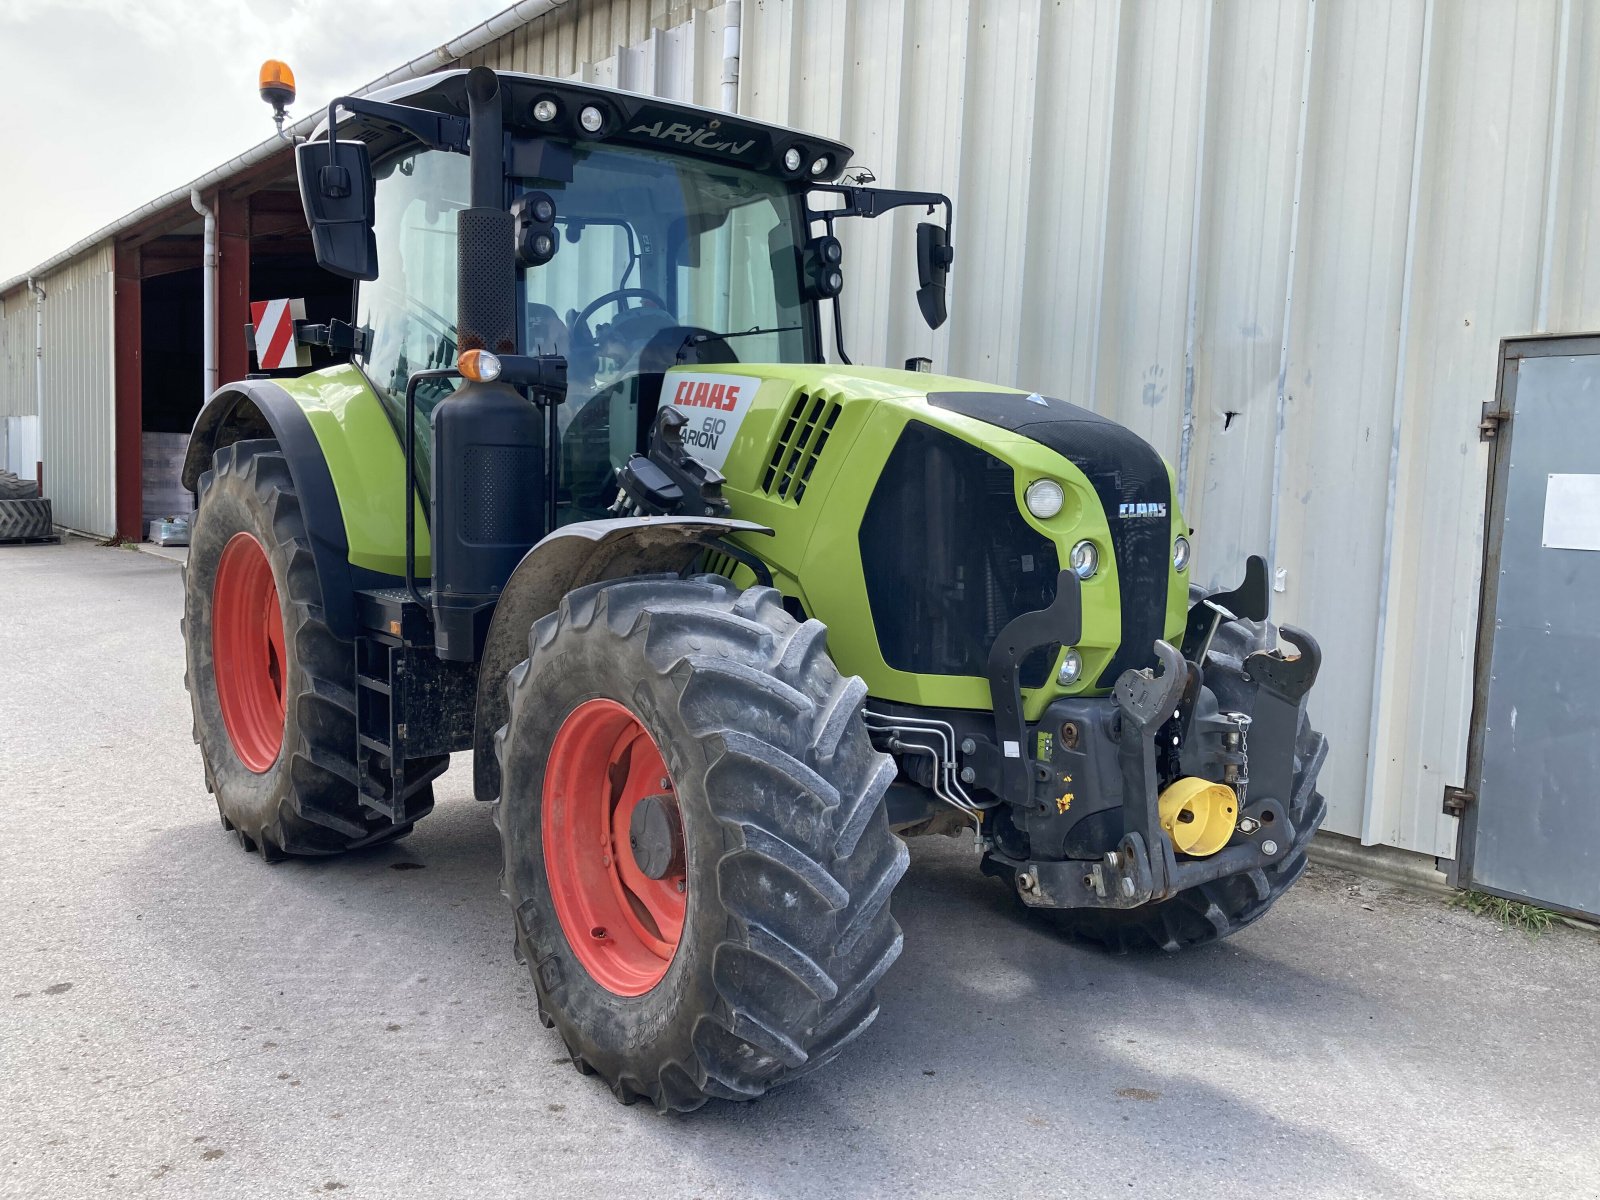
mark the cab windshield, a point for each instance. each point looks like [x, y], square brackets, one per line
[660, 260]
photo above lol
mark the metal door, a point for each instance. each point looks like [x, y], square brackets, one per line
[1532, 813]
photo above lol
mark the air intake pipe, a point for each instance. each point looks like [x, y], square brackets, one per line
[488, 461]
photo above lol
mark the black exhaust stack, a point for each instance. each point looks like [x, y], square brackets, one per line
[488, 460]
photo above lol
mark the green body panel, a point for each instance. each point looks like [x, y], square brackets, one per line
[814, 553]
[367, 463]
[815, 549]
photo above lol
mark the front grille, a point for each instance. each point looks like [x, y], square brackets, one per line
[949, 560]
[799, 446]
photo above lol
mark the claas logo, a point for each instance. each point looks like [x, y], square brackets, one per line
[693, 393]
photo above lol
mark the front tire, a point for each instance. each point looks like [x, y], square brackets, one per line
[270, 685]
[767, 966]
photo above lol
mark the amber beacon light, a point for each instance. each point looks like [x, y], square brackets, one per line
[276, 83]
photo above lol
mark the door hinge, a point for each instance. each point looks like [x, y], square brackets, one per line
[1489, 426]
[1457, 800]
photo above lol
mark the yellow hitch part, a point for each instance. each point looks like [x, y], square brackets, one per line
[1198, 815]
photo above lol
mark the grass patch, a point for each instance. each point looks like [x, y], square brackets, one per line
[1513, 914]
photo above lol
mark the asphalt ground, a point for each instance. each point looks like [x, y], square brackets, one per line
[178, 1018]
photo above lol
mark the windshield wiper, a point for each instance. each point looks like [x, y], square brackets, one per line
[700, 339]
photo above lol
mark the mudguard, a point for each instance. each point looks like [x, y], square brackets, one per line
[572, 556]
[254, 408]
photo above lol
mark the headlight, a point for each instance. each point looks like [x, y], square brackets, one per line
[544, 111]
[1085, 559]
[1180, 553]
[591, 118]
[1071, 669]
[1044, 498]
[792, 158]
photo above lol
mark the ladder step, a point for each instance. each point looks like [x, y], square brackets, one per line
[373, 684]
[382, 748]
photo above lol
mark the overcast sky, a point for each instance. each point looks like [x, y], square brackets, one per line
[111, 103]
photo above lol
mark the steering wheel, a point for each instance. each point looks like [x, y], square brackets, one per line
[583, 359]
[616, 296]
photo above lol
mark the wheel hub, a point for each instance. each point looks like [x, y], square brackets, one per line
[614, 847]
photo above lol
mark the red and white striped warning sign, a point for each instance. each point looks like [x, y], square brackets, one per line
[276, 345]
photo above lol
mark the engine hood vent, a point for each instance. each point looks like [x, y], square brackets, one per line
[802, 437]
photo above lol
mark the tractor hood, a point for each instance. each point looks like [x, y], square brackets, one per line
[901, 519]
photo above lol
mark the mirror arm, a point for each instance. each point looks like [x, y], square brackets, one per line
[437, 131]
[874, 202]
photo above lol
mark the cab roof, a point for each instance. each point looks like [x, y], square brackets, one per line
[631, 118]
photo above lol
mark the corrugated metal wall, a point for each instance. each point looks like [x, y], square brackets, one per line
[585, 38]
[17, 328]
[78, 426]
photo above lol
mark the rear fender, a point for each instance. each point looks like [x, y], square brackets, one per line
[574, 555]
[260, 408]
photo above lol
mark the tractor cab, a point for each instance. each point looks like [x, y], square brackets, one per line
[648, 235]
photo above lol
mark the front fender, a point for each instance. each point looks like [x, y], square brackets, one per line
[572, 556]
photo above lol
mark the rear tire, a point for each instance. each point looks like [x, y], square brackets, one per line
[1213, 911]
[282, 789]
[14, 487]
[785, 851]
[25, 520]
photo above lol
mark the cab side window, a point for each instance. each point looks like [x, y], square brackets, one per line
[409, 311]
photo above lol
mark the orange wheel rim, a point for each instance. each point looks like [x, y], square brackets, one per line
[623, 924]
[247, 652]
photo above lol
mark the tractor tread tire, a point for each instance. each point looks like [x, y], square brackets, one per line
[307, 803]
[14, 487]
[25, 520]
[769, 736]
[1213, 911]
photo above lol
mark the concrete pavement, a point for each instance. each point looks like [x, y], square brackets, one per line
[177, 1018]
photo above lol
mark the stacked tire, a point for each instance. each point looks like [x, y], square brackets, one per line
[24, 516]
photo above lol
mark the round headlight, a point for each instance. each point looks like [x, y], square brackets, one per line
[1044, 498]
[1085, 559]
[820, 166]
[792, 158]
[1071, 669]
[1180, 553]
[591, 118]
[544, 110]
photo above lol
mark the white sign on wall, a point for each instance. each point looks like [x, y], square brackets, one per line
[1572, 512]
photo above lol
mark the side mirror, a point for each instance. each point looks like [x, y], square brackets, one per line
[336, 192]
[934, 256]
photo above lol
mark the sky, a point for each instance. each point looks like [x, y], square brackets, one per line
[115, 102]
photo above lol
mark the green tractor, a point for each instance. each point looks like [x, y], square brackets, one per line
[721, 622]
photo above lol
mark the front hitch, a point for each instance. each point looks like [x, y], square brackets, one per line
[1151, 704]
